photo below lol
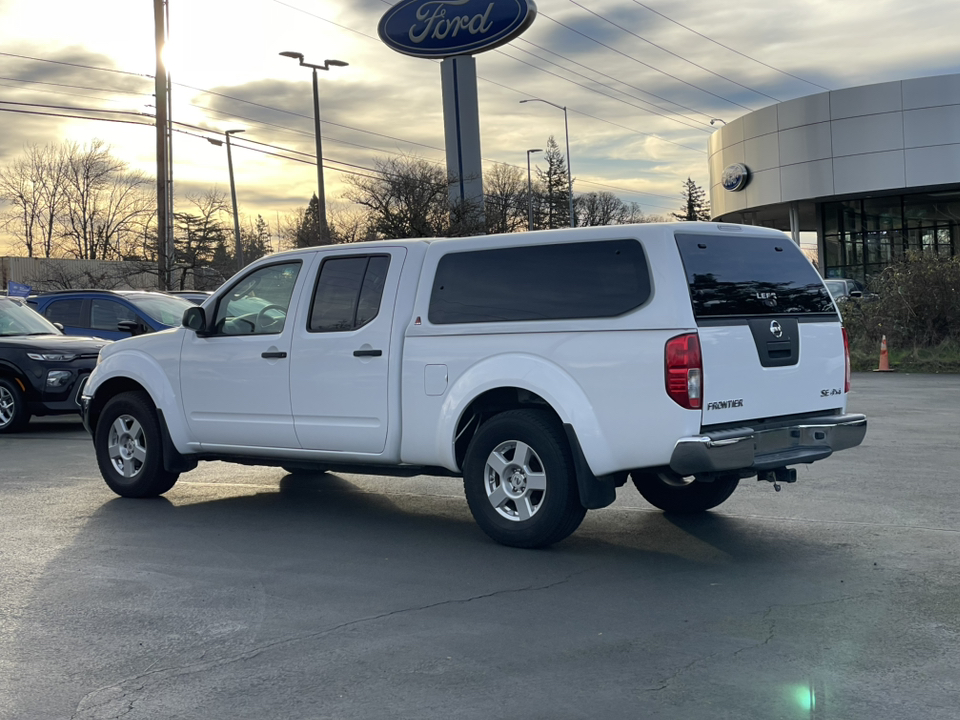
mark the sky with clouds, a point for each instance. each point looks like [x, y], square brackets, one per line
[641, 81]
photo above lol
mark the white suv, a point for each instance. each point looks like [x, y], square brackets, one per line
[544, 368]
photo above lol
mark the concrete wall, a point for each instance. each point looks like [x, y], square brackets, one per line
[873, 138]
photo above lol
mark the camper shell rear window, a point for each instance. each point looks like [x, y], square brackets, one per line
[735, 275]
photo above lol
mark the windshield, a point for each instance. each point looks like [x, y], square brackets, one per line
[17, 319]
[837, 288]
[164, 309]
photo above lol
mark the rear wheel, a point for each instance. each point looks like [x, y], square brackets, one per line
[129, 448]
[671, 492]
[519, 480]
[13, 407]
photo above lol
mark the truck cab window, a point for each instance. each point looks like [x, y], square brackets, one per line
[258, 304]
[348, 293]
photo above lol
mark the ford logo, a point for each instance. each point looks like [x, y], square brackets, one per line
[443, 28]
[735, 177]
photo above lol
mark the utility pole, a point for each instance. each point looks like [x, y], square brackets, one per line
[165, 250]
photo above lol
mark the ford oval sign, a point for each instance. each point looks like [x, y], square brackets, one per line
[443, 28]
[735, 177]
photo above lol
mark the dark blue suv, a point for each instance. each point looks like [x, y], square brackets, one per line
[110, 314]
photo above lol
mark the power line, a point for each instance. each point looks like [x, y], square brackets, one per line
[98, 110]
[594, 90]
[77, 65]
[647, 65]
[77, 87]
[727, 47]
[670, 52]
[377, 40]
[74, 117]
[622, 82]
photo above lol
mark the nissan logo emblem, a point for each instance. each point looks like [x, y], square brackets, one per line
[775, 329]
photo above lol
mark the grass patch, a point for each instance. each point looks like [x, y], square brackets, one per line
[944, 358]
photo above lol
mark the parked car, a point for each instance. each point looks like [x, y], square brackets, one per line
[197, 297]
[110, 314]
[843, 289]
[41, 370]
[544, 368]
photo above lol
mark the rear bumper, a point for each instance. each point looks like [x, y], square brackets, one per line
[765, 449]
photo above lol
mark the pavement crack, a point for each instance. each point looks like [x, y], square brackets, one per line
[112, 701]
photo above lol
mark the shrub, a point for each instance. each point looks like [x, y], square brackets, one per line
[917, 304]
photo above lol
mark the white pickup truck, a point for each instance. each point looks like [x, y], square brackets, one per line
[545, 368]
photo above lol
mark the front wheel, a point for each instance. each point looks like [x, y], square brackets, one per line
[13, 407]
[519, 480]
[671, 492]
[129, 448]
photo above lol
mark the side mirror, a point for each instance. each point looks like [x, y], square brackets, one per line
[130, 326]
[856, 294]
[194, 319]
[58, 326]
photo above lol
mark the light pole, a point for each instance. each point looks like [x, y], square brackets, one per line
[321, 202]
[530, 190]
[714, 121]
[233, 197]
[566, 133]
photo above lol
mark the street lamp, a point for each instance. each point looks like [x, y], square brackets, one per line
[566, 133]
[714, 121]
[321, 202]
[233, 196]
[530, 190]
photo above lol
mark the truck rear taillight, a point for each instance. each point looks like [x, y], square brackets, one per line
[684, 370]
[846, 360]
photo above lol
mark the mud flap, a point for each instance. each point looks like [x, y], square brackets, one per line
[595, 492]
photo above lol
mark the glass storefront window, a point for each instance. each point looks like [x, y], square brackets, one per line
[883, 213]
[864, 236]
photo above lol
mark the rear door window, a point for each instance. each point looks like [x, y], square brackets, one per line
[348, 293]
[736, 275]
[68, 313]
[563, 281]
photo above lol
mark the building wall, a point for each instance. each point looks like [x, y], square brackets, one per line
[43, 274]
[885, 137]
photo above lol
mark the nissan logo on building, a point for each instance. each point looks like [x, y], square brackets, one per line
[444, 28]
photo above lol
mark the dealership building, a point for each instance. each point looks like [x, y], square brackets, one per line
[873, 170]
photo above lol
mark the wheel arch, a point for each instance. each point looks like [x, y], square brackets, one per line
[12, 372]
[138, 372]
[517, 381]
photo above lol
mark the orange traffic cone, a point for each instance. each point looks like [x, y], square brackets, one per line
[884, 357]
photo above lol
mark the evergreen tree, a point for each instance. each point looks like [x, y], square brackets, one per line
[556, 185]
[307, 233]
[256, 240]
[695, 205]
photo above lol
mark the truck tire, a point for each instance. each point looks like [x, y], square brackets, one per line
[672, 493]
[129, 448]
[13, 407]
[519, 480]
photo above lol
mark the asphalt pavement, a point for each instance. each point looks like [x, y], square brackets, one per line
[247, 593]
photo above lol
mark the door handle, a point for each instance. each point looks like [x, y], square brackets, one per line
[279, 354]
[367, 353]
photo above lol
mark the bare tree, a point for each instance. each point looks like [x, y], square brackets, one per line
[600, 208]
[33, 185]
[407, 198]
[505, 194]
[106, 205]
